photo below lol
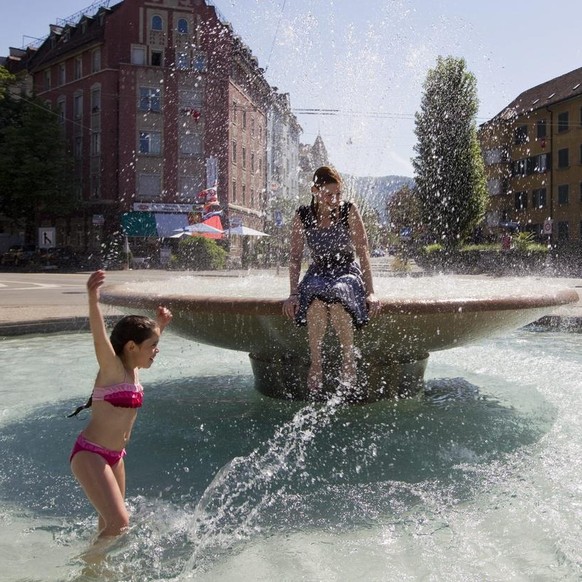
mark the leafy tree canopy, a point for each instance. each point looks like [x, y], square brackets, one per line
[449, 171]
[36, 169]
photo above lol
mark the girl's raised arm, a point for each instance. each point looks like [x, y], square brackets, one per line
[103, 349]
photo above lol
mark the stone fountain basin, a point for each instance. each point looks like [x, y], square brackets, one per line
[417, 316]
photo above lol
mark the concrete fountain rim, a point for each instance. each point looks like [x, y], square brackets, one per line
[117, 295]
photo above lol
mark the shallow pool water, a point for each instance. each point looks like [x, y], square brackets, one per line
[479, 479]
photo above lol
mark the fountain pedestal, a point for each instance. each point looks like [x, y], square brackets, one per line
[393, 348]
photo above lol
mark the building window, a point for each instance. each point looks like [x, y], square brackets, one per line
[78, 153]
[538, 199]
[95, 185]
[191, 98]
[520, 135]
[563, 194]
[78, 106]
[182, 61]
[563, 122]
[61, 110]
[95, 100]
[252, 162]
[156, 58]
[244, 158]
[95, 143]
[244, 195]
[47, 79]
[138, 55]
[96, 60]
[234, 191]
[183, 26]
[541, 128]
[62, 74]
[189, 187]
[563, 230]
[191, 143]
[78, 67]
[234, 152]
[150, 142]
[234, 108]
[149, 99]
[149, 186]
[541, 163]
[520, 200]
[157, 23]
[563, 158]
[199, 63]
[244, 119]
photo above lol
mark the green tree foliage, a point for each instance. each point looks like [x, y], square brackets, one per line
[199, 254]
[449, 171]
[36, 169]
[403, 209]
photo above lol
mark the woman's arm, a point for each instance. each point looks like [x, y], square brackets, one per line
[360, 241]
[291, 304]
[296, 254]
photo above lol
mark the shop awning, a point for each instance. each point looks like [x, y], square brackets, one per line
[152, 224]
[139, 224]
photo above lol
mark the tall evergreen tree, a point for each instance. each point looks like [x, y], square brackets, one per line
[449, 170]
[36, 168]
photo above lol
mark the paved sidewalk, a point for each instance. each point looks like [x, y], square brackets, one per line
[33, 303]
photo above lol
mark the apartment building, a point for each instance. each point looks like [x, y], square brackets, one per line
[159, 99]
[533, 158]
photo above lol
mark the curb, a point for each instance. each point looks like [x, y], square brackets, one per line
[55, 325]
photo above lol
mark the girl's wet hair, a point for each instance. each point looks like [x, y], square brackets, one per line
[136, 328]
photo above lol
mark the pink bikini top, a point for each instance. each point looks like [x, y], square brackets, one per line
[124, 395]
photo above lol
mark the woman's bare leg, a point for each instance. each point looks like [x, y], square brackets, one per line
[342, 323]
[316, 325]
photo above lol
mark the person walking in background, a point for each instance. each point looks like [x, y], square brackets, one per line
[335, 289]
[97, 456]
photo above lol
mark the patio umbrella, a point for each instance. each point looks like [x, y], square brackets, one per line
[245, 231]
[199, 228]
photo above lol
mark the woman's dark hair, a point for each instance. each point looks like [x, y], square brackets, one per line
[136, 328]
[322, 176]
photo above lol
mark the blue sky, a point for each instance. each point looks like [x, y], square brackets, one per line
[369, 58]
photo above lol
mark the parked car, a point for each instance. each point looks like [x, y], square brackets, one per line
[58, 257]
[19, 255]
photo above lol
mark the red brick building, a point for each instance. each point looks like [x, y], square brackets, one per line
[159, 99]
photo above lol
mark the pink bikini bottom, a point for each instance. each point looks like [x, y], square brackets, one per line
[82, 444]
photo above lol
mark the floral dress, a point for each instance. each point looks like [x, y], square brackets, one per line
[333, 276]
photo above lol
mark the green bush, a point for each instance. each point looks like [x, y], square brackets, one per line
[199, 254]
[481, 247]
[433, 248]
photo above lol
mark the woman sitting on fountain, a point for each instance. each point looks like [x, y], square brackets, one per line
[334, 288]
[97, 457]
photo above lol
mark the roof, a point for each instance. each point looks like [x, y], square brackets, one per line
[549, 93]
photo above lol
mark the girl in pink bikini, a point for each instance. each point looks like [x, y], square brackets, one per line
[97, 456]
